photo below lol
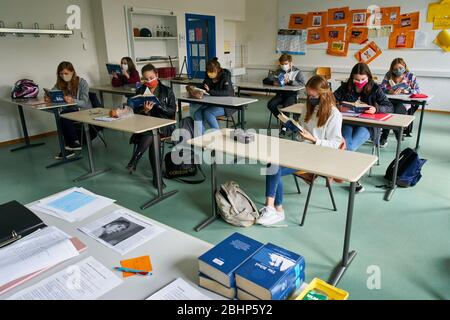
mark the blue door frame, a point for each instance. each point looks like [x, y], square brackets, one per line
[200, 43]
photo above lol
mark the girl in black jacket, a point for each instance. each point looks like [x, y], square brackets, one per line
[166, 110]
[217, 83]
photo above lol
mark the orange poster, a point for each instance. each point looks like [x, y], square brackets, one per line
[298, 21]
[335, 33]
[369, 53]
[359, 17]
[400, 39]
[357, 35]
[407, 22]
[316, 36]
[317, 19]
[337, 48]
[339, 15]
[390, 15]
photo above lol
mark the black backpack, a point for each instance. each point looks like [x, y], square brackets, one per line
[409, 169]
[182, 150]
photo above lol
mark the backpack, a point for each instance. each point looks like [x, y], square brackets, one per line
[25, 89]
[235, 206]
[409, 169]
[176, 171]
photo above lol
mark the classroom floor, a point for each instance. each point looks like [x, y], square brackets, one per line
[406, 240]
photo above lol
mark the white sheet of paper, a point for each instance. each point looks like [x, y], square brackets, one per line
[420, 39]
[202, 50]
[194, 50]
[38, 251]
[202, 65]
[178, 290]
[122, 231]
[86, 280]
[191, 35]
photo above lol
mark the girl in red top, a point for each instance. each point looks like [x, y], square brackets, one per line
[129, 74]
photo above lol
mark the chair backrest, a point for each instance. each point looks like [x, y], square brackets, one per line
[94, 100]
[324, 72]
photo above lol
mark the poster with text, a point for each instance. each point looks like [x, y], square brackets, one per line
[316, 36]
[291, 41]
[402, 40]
[407, 22]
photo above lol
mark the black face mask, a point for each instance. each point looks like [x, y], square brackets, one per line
[314, 101]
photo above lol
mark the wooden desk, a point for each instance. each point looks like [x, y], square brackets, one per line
[40, 104]
[134, 124]
[398, 122]
[226, 102]
[122, 91]
[405, 98]
[339, 164]
[177, 257]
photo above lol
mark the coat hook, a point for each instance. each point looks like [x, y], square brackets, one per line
[19, 26]
[36, 26]
[2, 25]
[67, 28]
[52, 27]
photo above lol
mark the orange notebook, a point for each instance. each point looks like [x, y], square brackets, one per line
[80, 246]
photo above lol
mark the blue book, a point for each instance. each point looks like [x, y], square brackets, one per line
[212, 285]
[137, 102]
[270, 273]
[117, 68]
[56, 96]
[286, 294]
[225, 258]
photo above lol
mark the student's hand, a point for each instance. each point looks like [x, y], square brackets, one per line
[206, 87]
[47, 99]
[398, 91]
[307, 136]
[68, 99]
[148, 106]
[371, 110]
[115, 76]
[126, 74]
[405, 91]
[286, 78]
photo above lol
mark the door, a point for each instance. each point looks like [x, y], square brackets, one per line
[201, 43]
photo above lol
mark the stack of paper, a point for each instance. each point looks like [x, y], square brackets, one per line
[75, 204]
[179, 290]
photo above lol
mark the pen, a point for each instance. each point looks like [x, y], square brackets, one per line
[141, 272]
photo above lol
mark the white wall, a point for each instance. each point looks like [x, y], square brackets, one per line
[261, 24]
[37, 58]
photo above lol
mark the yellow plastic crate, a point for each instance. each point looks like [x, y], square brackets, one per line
[332, 293]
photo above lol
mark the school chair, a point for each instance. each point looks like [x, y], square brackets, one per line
[324, 72]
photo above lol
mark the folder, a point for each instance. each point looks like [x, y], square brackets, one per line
[16, 222]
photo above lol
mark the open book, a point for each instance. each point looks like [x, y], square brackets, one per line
[114, 68]
[357, 107]
[290, 123]
[137, 102]
[396, 86]
[56, 96]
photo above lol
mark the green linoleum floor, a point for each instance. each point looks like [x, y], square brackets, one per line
[408, 238]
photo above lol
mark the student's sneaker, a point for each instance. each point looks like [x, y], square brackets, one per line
[383, 144]
[75, 147]
[269, 216]
[359, 187]
[283, 132]
[69, 154]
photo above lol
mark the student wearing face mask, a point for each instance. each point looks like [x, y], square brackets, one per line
[322, 123]
[129, 76]
[76, 90]
[361, 87]
[217, 83]
[165, 110]
[291, 76]
[399, 74]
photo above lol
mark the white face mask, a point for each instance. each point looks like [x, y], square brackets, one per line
[67, 77]
[125, 67]
[285, 67]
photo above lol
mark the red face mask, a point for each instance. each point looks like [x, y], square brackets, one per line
[152, 84]
[360, 85]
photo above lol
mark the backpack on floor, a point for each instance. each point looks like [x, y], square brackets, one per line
[25, 89]
[409, 169]
[235, 206]
[177, 171]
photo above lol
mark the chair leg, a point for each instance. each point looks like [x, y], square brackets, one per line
[331, 194]
[234, 123]
[296, 184]
[378, 154]
[305, 210]
[270, 122]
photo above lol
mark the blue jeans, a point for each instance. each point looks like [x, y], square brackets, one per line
[355, 136]
[274, 185]
[207, 114]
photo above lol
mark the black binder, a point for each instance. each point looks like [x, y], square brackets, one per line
[16, 222]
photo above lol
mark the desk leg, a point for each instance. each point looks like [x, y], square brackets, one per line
[239, 92]
[422, 112]
[92, 172]
[391, 190]
[347, 257]
[161, 195]
[61, 143]
[214, 216]
[242, 111]
[102, 98]
[180, 112]
[25, 133]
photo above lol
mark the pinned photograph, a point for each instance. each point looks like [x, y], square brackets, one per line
[393, 16]
[339, 15]
[338, 46]
[333, 34]
[368, 54]
[317, 21]
[298, 20]
[406, 22]
[359, 18]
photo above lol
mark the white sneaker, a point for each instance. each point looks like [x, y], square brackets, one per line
[269, 216]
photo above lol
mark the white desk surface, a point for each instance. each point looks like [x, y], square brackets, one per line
[135, 124]
[221, 101]
[328, 162]
[406, 97]
[173, 254]
[397, 120]
[115, 90]
[37, 103]
[261, 86]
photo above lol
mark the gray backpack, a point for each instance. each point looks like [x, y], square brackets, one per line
[235, 206]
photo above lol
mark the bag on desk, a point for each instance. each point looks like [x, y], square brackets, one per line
[25, 89]
[409, 169]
